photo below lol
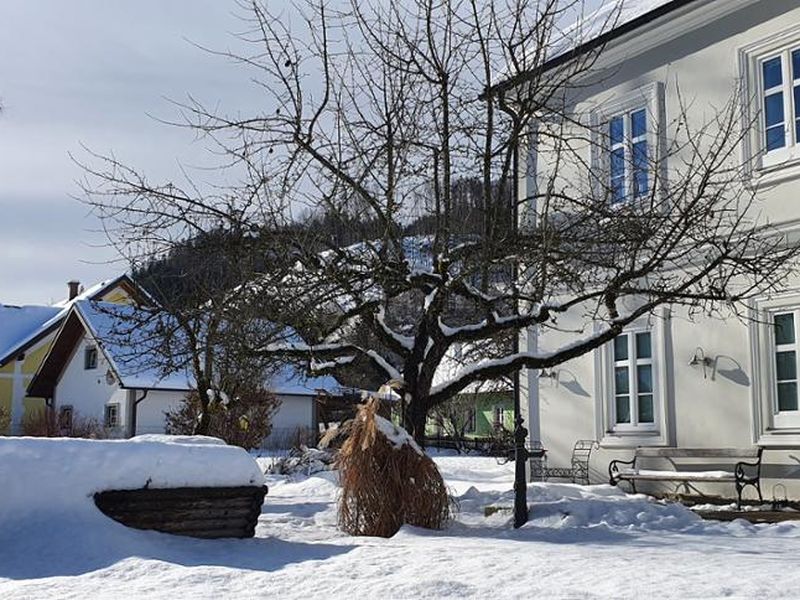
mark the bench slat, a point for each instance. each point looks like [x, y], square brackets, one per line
[697, 452]
[653, 475]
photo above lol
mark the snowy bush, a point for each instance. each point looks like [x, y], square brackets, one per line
[304, 461]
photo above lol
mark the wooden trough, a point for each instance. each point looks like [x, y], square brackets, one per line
[203, 512]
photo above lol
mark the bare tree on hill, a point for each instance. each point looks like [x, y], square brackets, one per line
[376, 111]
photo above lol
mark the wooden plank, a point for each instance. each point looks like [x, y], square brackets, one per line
[121, 514]
[159, 503]
[697, 452]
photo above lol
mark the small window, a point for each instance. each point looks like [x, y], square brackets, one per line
[90, 358]
[111, 416]
[65, 420]
[498, 417]
[471, 421]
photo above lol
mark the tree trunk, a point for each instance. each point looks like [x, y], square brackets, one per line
[414, 419]
[204, 422]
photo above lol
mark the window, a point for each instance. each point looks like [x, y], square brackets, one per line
[775, 352]
[770, 70]
[780, 91]
[634, 404]
[628, 162]
[65, 420]
[498, 417]
[632, 374]
[111, 416]
[90, 358]
[471, 421]
[627, 141]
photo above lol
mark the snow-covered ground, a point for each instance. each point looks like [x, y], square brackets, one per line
[582, 542]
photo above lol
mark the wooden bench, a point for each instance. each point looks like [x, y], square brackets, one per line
[742, 475]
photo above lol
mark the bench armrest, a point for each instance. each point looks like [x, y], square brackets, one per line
[613, 468]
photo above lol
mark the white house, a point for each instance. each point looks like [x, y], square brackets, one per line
[85, 374]
[702, 382]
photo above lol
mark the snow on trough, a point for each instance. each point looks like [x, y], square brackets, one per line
[46, 475]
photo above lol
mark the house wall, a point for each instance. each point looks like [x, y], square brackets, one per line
[88, 390]
[150, 416]
[294, 419]
[722, 405]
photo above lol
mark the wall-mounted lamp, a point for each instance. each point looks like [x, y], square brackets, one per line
[700, 358]
[545, 374]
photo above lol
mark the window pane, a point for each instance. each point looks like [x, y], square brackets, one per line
[640, 184]
[784, 328]
[616, 131]
[621, 347]
[787, 396]
[644, 378]
[638, 123]
[618, 190]
[617, 163]
[796, 64]
[621, 384]
[646, 408]
[623, 409]
[643, 349]
[773, 76]
[776, 138]
[773, 109]
[786, 366]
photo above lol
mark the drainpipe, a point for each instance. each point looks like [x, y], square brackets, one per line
[134, 408]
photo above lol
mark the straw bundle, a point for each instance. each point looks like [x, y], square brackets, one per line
[387, 480]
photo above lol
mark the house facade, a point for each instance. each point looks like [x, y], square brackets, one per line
[26, 334]
[674, 378]
[88, 374]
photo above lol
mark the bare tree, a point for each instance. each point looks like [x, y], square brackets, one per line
[375, 109]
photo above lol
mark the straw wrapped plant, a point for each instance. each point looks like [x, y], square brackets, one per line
[387, 480]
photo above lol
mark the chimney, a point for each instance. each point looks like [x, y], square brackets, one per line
[73, 288]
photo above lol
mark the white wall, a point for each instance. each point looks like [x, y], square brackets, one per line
[150, 411]
[295, 413]
[87, 390]
[721, 409]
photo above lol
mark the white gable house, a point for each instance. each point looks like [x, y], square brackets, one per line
[674, 379]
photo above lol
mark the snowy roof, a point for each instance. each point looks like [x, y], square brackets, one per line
[134, 369]
[292, 381]
[21, 326]
[140, 371]
[613, 19]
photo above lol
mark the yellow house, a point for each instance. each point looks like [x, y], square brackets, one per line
[26, 333]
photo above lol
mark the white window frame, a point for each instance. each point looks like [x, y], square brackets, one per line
[624, 435]
[651, 98]
[780, 163]
[90, 351]
[106, 423]
[771, 427]
[632, 363]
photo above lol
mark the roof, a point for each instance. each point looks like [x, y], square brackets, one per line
[598, 29]
[23, 326]
[134, 369]
[128, 356]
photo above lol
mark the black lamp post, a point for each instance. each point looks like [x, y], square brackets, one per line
[520, 432]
